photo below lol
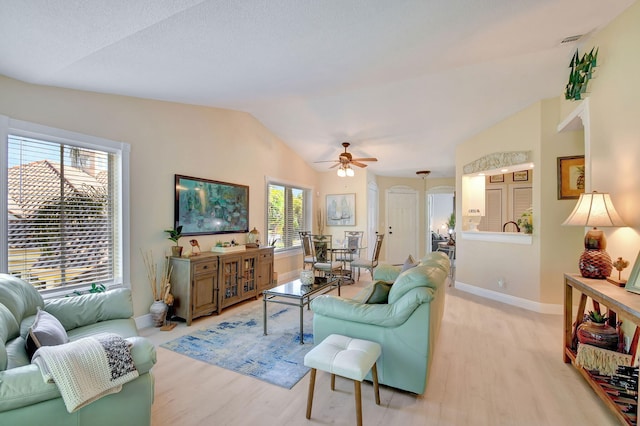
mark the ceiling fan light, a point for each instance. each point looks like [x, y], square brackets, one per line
[341, 172]
[350, 172]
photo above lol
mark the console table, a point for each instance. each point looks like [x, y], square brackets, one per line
[209, 282]
[618, 302]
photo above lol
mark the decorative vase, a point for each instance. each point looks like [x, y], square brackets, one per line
[253, 238]
[176, 251]
[158, 311]
[306, 277]
[601, 335]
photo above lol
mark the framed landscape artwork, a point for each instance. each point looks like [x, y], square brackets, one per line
[341, 210]
[204, 206]
[496, 178]
[570, 177]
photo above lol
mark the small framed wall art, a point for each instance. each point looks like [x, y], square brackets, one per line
[570, 177]
[496, 178]
[521, 176]
[341, 209]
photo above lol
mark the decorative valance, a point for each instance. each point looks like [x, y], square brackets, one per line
[497, 160]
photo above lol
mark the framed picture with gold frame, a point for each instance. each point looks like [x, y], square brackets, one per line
[521, 176]
[570, 177]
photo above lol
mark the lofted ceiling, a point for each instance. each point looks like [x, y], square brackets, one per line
[402, 80]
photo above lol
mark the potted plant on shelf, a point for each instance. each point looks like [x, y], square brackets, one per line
[174, 235]
[596, 332]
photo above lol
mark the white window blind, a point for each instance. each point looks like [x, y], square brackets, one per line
[522, 199]
[493, 219]
[287, 215]
[63, 214]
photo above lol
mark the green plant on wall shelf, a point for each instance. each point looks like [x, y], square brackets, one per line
[581, 73]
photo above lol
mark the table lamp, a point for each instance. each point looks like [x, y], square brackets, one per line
[595, 209]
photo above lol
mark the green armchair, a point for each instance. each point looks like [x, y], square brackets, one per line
[25, 399]
[406, 326]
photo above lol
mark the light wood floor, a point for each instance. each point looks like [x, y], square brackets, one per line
[494, 364]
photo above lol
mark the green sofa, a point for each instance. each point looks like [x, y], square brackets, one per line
[406, 326]
[25, 399]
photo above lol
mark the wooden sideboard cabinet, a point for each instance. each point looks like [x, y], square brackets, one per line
[619, 303]
[194, 285]
[210, 282]
[265, 269]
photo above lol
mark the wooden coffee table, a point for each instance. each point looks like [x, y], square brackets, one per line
[294, 293]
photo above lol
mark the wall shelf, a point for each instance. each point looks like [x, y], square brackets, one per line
[498, 237]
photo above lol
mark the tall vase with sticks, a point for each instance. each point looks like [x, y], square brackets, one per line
[320, 222]
[161, 293]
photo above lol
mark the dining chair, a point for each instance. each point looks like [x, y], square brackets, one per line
[324, 263]
[352, 247]
[370, 265]
[308, 258]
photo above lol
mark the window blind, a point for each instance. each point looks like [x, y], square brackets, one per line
[62, 214]
[522, 198]
[286, 215]
[493, 218]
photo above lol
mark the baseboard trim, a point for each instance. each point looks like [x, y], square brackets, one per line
[289, 276]
[143, 321]
[543, 308]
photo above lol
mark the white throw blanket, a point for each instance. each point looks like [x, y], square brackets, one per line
[88, 368]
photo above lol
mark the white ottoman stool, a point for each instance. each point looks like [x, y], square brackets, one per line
[346, 357]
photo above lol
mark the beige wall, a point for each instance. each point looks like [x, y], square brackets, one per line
[532, 272]
[614, 101]
[166, 138]
[560, 246]
[481, 263]
[615, 148]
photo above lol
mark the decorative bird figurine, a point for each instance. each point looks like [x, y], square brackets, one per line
[194, 243]
[620, 264]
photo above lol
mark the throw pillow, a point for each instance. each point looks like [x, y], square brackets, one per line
[45, 331]
[380, 293]
[408, 264]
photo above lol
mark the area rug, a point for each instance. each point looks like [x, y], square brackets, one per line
[237, 343]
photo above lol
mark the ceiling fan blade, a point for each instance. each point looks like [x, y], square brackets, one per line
[334, 166]
[327, 161]
[364, 159]
[355, 163]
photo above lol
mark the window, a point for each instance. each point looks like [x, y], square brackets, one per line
[66, 226]
[287, 214]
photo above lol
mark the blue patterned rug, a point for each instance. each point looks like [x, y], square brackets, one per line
[238, 344]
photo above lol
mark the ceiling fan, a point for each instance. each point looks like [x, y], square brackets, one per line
[345, 159]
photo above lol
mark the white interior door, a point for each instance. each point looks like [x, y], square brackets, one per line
[401, 235]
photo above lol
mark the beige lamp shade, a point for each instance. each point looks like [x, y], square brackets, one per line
[594, 209]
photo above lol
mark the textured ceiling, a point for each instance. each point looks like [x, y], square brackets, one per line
[403, 81]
